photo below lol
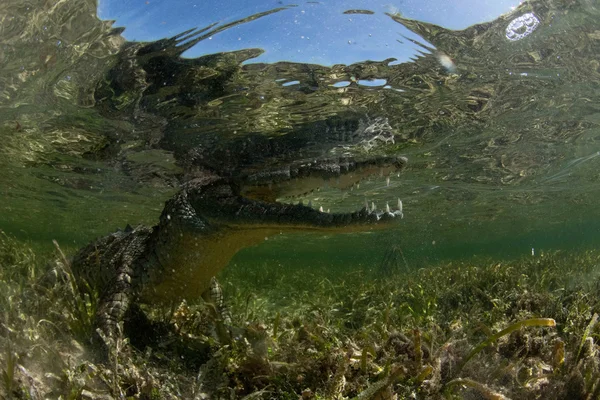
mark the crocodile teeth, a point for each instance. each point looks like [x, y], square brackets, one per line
[387, 181]
[321, 209]
[399, 211]
[389, 213]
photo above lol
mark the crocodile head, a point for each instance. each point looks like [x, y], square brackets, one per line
[212, 218]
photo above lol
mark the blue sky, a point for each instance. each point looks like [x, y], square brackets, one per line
[312, 32]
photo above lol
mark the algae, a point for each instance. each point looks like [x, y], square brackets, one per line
[522, 329]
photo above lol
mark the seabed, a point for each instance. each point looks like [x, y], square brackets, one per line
[524, 329]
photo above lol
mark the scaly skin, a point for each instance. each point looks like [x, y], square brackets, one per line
[208, 222]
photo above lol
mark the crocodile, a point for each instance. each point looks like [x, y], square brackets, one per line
[209, 220]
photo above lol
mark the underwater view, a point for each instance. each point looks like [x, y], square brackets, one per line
[314, 200]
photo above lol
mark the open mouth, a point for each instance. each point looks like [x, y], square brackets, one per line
[301, 179]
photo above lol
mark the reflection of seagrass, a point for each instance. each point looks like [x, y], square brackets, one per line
[393, 261]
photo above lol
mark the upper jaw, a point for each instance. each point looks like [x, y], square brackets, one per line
[306, 176]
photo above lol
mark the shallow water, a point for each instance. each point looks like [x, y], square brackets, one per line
[502, 135]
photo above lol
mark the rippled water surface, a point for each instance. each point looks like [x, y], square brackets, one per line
[499, 120]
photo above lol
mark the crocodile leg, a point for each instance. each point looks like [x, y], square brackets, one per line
[114, 266]
[114, 304]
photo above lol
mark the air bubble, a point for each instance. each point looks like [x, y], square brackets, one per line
[521, 27]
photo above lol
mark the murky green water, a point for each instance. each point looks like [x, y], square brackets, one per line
[499, 123]
[502, 143]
